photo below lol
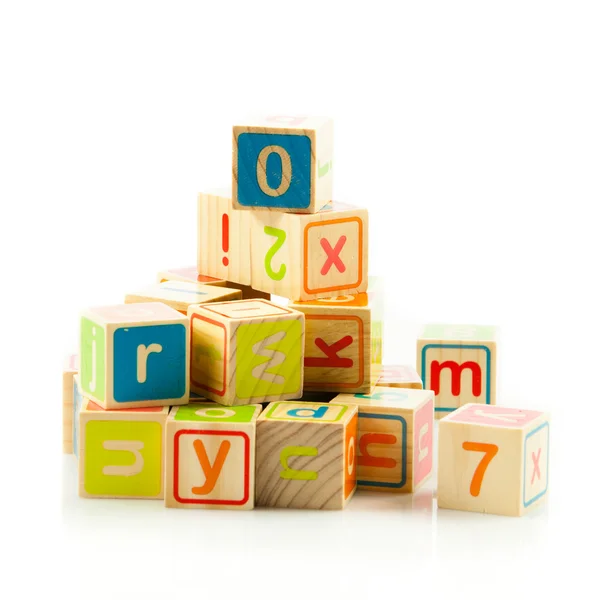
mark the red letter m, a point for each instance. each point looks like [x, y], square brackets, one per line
[456, 370]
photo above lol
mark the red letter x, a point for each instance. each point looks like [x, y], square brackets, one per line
[536, 465]
[333, 255]
[330, 352]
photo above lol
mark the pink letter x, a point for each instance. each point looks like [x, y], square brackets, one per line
[333, 255]
[536, 465]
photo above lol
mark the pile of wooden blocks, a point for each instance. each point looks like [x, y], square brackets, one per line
[201, 391]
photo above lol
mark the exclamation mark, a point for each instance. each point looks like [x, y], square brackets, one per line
[225, 240]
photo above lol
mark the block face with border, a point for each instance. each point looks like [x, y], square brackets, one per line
[121, 452]
[395, 438]
[303, 257]
[247, 351]
[338, 354]
[283, 164]
[306, 455]
[70, 369]
[493, 459]
[210, 456]
[135, 355]
[458, 362]
[402, 376]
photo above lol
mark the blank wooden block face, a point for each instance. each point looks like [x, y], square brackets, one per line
[340, 352]
[303, 257]
[180, 295]
[188, 274]
[135, 355]
[493, 459]
[395, 438]
[283, 164]
[458, 362]
[121, 452]
[246, 352]
[223, 238]
[402, 376]
[306, 455]
[70, 369]
[210, 456]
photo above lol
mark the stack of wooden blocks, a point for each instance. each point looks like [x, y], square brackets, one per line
[202, 391]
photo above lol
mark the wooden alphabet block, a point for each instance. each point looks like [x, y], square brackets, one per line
[121, 452]
[135, 355]
[189, 274]
[180, 295]
[211, 452]
[223, 238]
[305, 455]
[395, 438]
[458, 362]
[246, 352]
[283, 164]
[303, 257]
[493, 459]
[70, 369]
[342, 343]
[401, 376]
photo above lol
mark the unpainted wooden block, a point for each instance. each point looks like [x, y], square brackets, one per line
[135, 355]
[210, 456]
[283, 163]
[180, 295]
[189, 274]
[395, 438]
[401, 376]
[306, 455]
[458, 362]
[121, 452]
[246, 352]
[70, 369]
[493, 459]
[308, 256]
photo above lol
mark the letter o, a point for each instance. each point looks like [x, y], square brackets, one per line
[286, 170]
[223, 413]
[351, 453]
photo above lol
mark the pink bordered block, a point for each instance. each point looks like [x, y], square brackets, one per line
[402, 376]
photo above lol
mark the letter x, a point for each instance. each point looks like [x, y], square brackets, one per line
[536, 465]
[333, 255]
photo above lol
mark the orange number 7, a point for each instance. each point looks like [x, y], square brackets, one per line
[489, 450]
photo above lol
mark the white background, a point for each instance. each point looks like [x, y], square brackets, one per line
[471, 131]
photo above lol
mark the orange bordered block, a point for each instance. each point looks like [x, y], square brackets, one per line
[210, 456]
[493, 459]
[303, 257]
[246, 352]
[342, 345]
[395, 438]
[180, 295]
[121, 452]
[70, 369]
[306, 455]
[401, 376]
[458, 362]
[283, 163]
[135, 355]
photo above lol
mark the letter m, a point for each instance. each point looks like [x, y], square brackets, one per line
[456, 375]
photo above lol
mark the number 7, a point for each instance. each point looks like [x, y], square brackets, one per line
[489, 450]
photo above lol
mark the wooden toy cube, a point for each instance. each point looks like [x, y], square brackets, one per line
[71, 368]
[283, 164]
[305, 455]
[135, 355]
[210, 456]
[401, 376]
[180, 295]
[395, 438]
[458, 362]
[223, 238]
[342, 343]
[121, 452]
[493, 459]
[247, 351]
[188, 274]
[303, 257]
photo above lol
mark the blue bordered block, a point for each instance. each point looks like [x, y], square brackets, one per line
[458, 362]
[283, 163]
[493, 459]
[395, 438]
